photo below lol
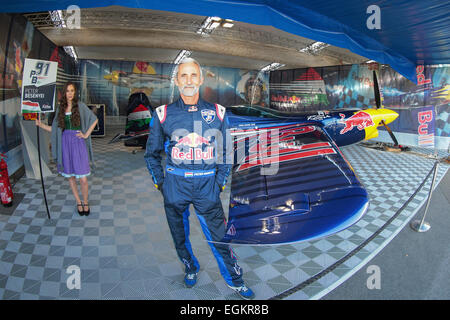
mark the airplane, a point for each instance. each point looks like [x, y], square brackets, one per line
[290, 182]
[138, 120]
[143, 75]
[130, 80]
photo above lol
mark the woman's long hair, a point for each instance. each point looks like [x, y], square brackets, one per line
[75, 117]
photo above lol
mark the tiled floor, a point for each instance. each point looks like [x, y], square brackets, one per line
[124, 249]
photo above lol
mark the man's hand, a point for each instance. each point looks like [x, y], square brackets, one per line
[221, 188]
[159, 187]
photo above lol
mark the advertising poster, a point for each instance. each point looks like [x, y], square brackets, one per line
[302, 90]
[38, 86]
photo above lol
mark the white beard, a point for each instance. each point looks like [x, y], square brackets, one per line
[189, 91]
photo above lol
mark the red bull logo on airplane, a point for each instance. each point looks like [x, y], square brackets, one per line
[190, 146]
[361, 120]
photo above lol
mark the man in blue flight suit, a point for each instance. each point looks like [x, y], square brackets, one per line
[192, 132]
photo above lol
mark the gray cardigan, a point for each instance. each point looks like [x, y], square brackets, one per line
[87, 119]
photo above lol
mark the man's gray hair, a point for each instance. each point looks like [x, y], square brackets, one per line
[188, 60]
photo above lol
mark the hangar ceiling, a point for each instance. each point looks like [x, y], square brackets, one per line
[120, 33]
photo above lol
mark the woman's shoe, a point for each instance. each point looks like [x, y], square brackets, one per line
[88, 211]
[81, 213]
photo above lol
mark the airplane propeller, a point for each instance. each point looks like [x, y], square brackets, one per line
[379, 105]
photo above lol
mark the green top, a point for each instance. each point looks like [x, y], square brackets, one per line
[68, 123]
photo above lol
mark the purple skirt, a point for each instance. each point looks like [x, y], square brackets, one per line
[75, 158]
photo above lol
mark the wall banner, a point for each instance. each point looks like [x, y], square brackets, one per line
[425, 128]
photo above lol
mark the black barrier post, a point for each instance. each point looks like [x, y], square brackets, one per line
[40, 169]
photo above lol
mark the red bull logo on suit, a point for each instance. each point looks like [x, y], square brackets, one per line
[195, 143]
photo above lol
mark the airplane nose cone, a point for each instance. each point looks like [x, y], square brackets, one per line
[387, 115]
[378, 115]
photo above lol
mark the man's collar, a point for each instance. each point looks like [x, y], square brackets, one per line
[183, 105]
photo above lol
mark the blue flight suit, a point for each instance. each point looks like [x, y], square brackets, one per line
[194, 139]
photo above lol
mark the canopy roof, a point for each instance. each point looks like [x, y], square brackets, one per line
[411, 32]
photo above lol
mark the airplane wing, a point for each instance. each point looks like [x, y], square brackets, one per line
[290, 183]
[148, 77]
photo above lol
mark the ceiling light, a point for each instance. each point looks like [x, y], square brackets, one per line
[211, 23]
[57, 18]
[314, 48]
[227, 23]
[214, 25]
[71, 52]
[183, 54]
[204, 26]
[208, 25]
[273, 66]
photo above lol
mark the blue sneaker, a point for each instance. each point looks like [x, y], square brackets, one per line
[244, 292]
[190, 279]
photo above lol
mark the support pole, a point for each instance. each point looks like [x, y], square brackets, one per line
[40, 169]
[422, 225]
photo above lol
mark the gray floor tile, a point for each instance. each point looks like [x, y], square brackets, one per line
[124, 249]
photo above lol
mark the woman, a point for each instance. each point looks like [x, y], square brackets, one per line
[71, 142]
